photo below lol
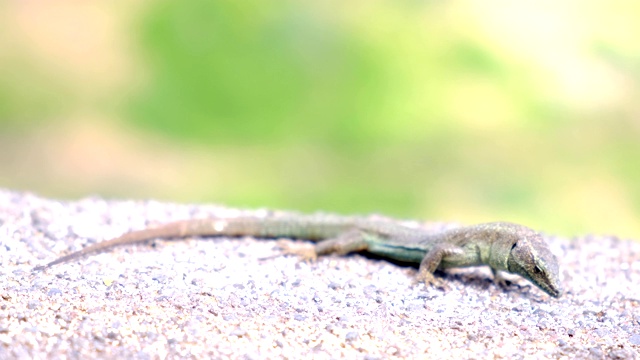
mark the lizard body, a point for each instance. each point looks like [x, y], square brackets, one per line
[502, 246]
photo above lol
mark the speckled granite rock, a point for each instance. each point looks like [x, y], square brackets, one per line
[241, 298]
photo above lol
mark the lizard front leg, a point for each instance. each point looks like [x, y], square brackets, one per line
[432, 260]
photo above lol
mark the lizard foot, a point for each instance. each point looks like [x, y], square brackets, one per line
[305, 251]
[501, 280]
[427, 278]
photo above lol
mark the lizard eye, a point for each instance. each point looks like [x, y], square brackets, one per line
[537, 270]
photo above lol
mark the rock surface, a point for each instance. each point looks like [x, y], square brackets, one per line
[242, 298]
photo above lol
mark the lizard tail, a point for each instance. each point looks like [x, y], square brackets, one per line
[175, 229]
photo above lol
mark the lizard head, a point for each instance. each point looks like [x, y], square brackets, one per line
[531, 258]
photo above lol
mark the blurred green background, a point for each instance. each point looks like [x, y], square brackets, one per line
[457, 110]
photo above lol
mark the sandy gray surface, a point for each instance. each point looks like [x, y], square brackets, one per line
[241, 298]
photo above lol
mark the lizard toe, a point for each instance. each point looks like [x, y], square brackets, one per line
[306, 252]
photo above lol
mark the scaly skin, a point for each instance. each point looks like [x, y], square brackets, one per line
[502, 246]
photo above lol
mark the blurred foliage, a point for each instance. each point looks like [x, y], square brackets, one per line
[228, 72]
[457, 111]
[27, 95]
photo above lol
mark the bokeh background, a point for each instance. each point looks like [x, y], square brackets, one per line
[525, 111]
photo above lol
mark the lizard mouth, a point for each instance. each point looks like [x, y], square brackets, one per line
[553, 291]
[548, 286]
[545, 283]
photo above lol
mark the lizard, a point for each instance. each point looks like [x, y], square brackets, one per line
[503, 246]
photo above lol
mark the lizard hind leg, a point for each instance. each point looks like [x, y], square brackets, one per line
[347, 242]
[304, 250]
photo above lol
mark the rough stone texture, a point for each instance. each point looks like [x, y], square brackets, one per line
[241, 298]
